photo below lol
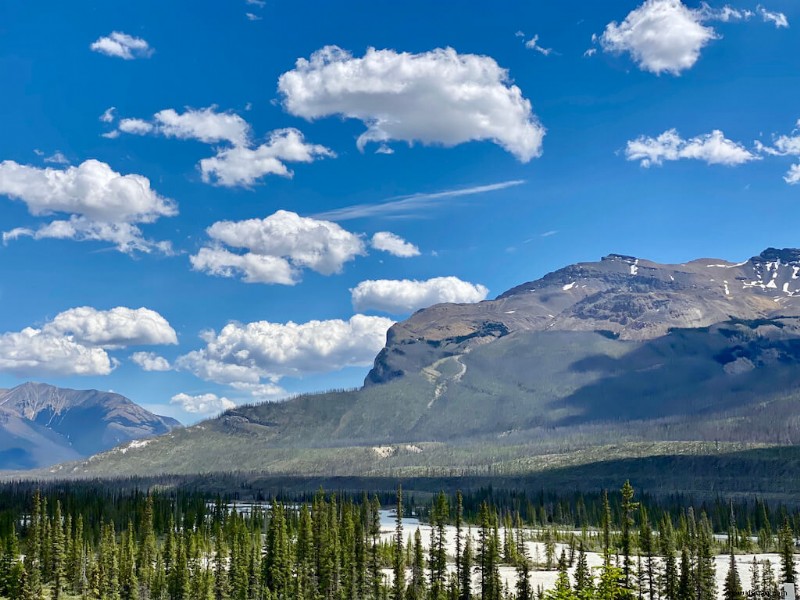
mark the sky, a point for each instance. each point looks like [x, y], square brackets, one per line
[206, 204]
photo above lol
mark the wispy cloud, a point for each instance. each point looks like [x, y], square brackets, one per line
[410, 206]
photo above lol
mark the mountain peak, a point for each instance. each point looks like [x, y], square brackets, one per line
[784, 255]
[42, 424]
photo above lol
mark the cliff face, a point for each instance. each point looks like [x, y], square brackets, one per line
[627, 297]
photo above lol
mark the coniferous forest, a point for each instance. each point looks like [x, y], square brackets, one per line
[136, 545]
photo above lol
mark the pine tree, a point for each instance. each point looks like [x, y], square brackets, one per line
[755, 581]
[459, 539]
[647, 548]
[562, 589]
[705, 576]
[786, 548]
[416, 589]
[399, 563]
[221, 588]
[466, 568]
[584, 586]
[524, 590]
[685, 589]
[769, 587]
[606, 524]
[733, 586]
[375, 538]
[668, 583]
[628, 506]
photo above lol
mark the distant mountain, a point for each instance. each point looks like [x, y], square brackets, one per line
[618, 359]
[41, 425]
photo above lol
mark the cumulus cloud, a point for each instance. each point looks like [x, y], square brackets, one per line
[122, 45]
[660, 35]
[240, 162]
[276, 249]
[243, 166]
[439, 97]
[253, 352]
[118, 327]
[104, 205]
[76, 341]
[150, 361]
[35, 352]
[405, 296]
[136, 126]
[205, 125]
[713, 148]
[203, 404]
[393, 244]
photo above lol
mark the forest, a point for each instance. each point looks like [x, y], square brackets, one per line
[113, 544]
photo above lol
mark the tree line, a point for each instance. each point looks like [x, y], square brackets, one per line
[154, 546]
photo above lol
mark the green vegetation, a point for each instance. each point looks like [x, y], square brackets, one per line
[109, 544]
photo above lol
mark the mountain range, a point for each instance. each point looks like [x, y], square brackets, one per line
[41, 425]
[623, 359]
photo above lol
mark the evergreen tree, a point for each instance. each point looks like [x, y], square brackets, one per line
[755, 580]
[466, 568]
[733, 586]
[399, 563]
[647, 547]
[628, 506]
[584, 586]
[786, 548]
[416, 589]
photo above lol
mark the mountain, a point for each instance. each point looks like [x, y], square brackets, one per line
[617, 360]
[41, 425]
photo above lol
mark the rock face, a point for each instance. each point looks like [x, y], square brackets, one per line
[41, 425]
[627, 298]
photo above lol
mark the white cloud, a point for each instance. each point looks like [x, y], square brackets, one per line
[438, 97]
[34, 352]
[76, 340]
[393, 244]
[726, 14]
[261, 391]
[122, 45]
[252, 352]
[776, 18]
[533, 44]
[713, 148]
[277, 248]
[792, 177]
[252, 17]
[660, 35]
[205, 125]
[136, 126]
[104, 205]
[243, 166]
[150, 361]
[240, 163]
[405, 296]
[203, 404]
[115, 328]
[57, 158]
[108, 115]
[259, 3]
[413, 204]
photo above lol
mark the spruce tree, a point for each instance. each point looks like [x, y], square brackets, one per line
[786, 548]
[399, 563]
[733, 585]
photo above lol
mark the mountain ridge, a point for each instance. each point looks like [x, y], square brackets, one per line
[678, 358]
[41, 424]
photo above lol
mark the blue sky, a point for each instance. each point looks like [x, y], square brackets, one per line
[608, 175]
